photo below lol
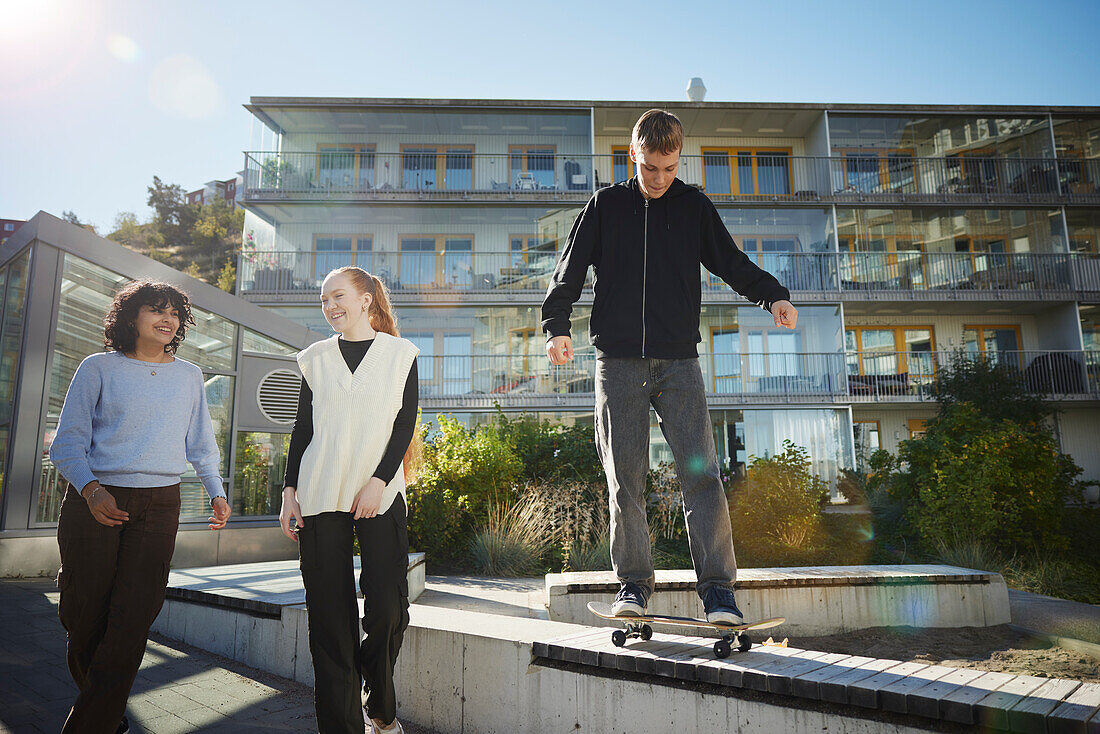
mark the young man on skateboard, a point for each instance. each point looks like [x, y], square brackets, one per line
[645, 239]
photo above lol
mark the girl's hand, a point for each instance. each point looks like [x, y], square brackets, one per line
[101, 504]
[222, 512]
[290, 509]
[369, 498]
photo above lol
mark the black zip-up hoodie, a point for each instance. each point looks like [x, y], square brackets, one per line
[646, 257]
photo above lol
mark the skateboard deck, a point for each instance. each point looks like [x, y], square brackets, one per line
[733, 635]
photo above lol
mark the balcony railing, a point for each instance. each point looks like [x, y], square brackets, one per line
[930, 272]
[441, 172]
[511, 377]
[878, 375]
[857, 376]
[926, 275]
[746, 176]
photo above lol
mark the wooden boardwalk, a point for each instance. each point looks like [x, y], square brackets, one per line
[1018, 703]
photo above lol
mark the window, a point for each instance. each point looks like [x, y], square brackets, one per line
[879, 171]
[622, 167]
[9, 227]
[437, 167]
[436, 261]
[425, 361]
[335, 251]
[916, 427]
[725, 345]
[994, 343]
[889, 261]
[747, 172]
[345, 166]
[531, 251]
[258, 474]
[531, 166]
[14, 276]
[866, 436]
[877, 350]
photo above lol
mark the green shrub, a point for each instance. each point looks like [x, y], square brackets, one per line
[462, 471]
[1004, 482]
[514, 540]
[778, 503]
[552, 451]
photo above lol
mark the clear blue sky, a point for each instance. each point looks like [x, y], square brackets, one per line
[100, 95]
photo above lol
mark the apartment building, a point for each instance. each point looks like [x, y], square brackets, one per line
[909, 236]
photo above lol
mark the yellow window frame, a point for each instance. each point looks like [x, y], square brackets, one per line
[355, 149]
[441, 152]
[902, 365]
[733, 155]
[440, 252]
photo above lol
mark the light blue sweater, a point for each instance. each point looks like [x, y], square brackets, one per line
[125, 426]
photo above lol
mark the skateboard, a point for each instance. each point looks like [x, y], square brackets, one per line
[733, 635]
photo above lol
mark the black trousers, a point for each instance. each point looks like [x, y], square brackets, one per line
[112, 582]
[342, 665]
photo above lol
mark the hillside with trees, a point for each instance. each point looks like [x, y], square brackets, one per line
[200, 240]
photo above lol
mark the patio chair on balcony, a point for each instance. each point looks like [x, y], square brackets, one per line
[525, 181]
[1058, 374]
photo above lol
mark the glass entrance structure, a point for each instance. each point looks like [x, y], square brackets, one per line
[58, 281]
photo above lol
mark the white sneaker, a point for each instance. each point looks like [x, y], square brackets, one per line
[397, 728]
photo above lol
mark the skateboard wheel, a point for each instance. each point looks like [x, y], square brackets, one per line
[646, 632]
[618, 638]
[722, 649]
[746, 644]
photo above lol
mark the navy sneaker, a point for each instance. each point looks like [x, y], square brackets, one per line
[630, 601]
[720, 606]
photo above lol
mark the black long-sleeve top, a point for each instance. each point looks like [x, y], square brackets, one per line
[403, 425]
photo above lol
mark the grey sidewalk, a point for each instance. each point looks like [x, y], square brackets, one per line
[179, 688]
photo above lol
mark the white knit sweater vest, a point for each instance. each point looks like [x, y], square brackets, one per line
[353, 418]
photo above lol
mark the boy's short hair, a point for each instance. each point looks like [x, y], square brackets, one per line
[658, 131]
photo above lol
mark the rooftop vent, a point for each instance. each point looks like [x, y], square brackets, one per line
[696, 90]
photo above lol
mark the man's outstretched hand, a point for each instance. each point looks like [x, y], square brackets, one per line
[785, 314]
[559, 349]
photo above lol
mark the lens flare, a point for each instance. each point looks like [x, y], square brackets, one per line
[181, 86]
[123, 48]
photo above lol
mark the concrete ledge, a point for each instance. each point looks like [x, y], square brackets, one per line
[30, 553]
[1001, 701]
[462, 671]
[253, 612]
[816, 601]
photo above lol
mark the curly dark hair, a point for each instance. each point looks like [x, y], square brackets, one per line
[119, 333]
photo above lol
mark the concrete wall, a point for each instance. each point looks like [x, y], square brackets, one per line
[35, 553]
[472, 672]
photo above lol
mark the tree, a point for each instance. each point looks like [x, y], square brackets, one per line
[69, 216]
[227, 279]
[174, 216]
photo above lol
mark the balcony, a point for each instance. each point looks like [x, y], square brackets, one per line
[434, 175]
[416, 274]
[727, 177]
[287, 275]
[886, 376]
[529, 380]
[968, 275]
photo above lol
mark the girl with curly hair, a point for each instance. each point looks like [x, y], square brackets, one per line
[133, 416]
[353, 448]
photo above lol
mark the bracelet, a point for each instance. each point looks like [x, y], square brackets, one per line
[94, 490]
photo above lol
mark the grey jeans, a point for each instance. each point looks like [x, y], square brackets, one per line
[625, 388]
